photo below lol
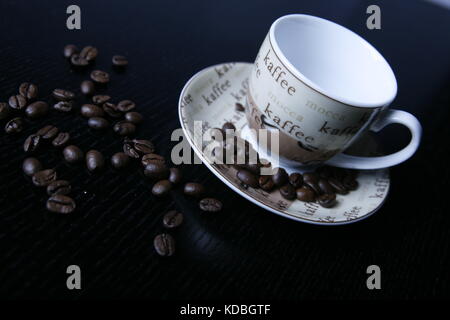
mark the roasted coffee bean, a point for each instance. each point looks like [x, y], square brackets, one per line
[111, 110]
[70, 50]
[156, 171]
[91, 111]
[63, 106]
[87, 87]
[28, 90]
[126, 105]
[134, 117]
[100, 98]
[32, 143]
[59, 187]
[164, 244]
[61, 139]
[14, 125]
[36, 109]
[152, 158]
[120, 160]
[314, 186]
[44, 177]
[73, 154]
[124, 128]
[288, 192]
[60, 204]
[94, 160]
[89, 53]
[4, 110]
[296, 179]
[143, 146]
[78, 61]
[266, 183]
[253, 168]
[17, 102]
[228, 126]
[194, 189]
[280, 177]
[172, 219]
[311, 177]
[98, 123]
[161, 188]
[119, 61]
[327, 200]
[248, 178]
[239, 107]
[210, 205]
[350, 183]
[325, 187]
[63, 95]
[175, 175]
[338, 186]
[129, 150]
[31, 165]
[305, 194]
[100, 76]
[48, 132]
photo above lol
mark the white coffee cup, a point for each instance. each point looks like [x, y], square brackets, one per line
[321, 86]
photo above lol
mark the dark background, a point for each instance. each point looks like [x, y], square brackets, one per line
[244, 251]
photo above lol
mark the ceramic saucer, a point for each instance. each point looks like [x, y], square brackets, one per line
[210, 96]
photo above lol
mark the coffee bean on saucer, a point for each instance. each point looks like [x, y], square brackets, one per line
[120, 160]
[73, 154]
[100, 76]
[266, 183]
[152, 158]
[280, 177]
[44, 177]
[28, 90]
[32, 143]
[175, 175]
[48, 132]
[100, 99]
[134, 117]
[338, 186]
[288, 192]
[119, 61]
[14, 125]
[239, 107]
[61, 139]
[4, 110]
[61, 204]
[63, 106]
[253, 168]
[89, 53]
[63, 95]
[36, 109]
[350, 183]
[161, 188]
[111, 110]
[59, 187]
[70, 50]
[30, 166]
[296, 179]
[94, 160]
[78, 61]
[248, 178]
[311, 177]
[210, 205]
[156, 171]
[124, 128]
[305, 194]
[325, 187]
[126, 105]
[87, 87]
[327, 200]
[194, 189]
[98, 123]
[91, 111]
[164, 244]
[228, 126]
[17, 102]
[172, 219]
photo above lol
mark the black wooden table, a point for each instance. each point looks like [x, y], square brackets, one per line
[244, 251]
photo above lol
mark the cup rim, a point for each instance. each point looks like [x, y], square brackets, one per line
[312, 84]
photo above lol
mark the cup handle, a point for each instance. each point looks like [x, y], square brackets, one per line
[390, 116]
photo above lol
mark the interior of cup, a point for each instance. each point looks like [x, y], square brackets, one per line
[334, 60]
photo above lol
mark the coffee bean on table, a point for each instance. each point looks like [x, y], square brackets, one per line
[248, 178]
[126, 105]
[61, 204]
[32, 143]
[89, 53]
[194, 189]
[17, 102]
[98, 123]
[327, 200]
[119, 61]
[156, 171]
[175, 175]
[161, 188]
[111, 110]
[266, 183]
[296, 179]
[48, 132]
[164, 244]
[210, 205]
[124, 128]
[305, 194]
[4, 110]
[94, 160]
[120, 160]
[143, 146]
[36, 109]
[87, 87]
[129, 150]
[288, 192]
[134, 117]
[239, 107]
[28, 90]
[59, 187]
[100, 76]
[63, 95]
[338, 186]
[91, 110]
[44, 177]
[63, 106]
[61, 139]
[31, 165]
[78, 61]
[100, 99]
[72, 154]
[280, 177]
[172, 219]
[70, 50]
[228, 126]
[14, 125]
[325, 187]
[152, 158]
